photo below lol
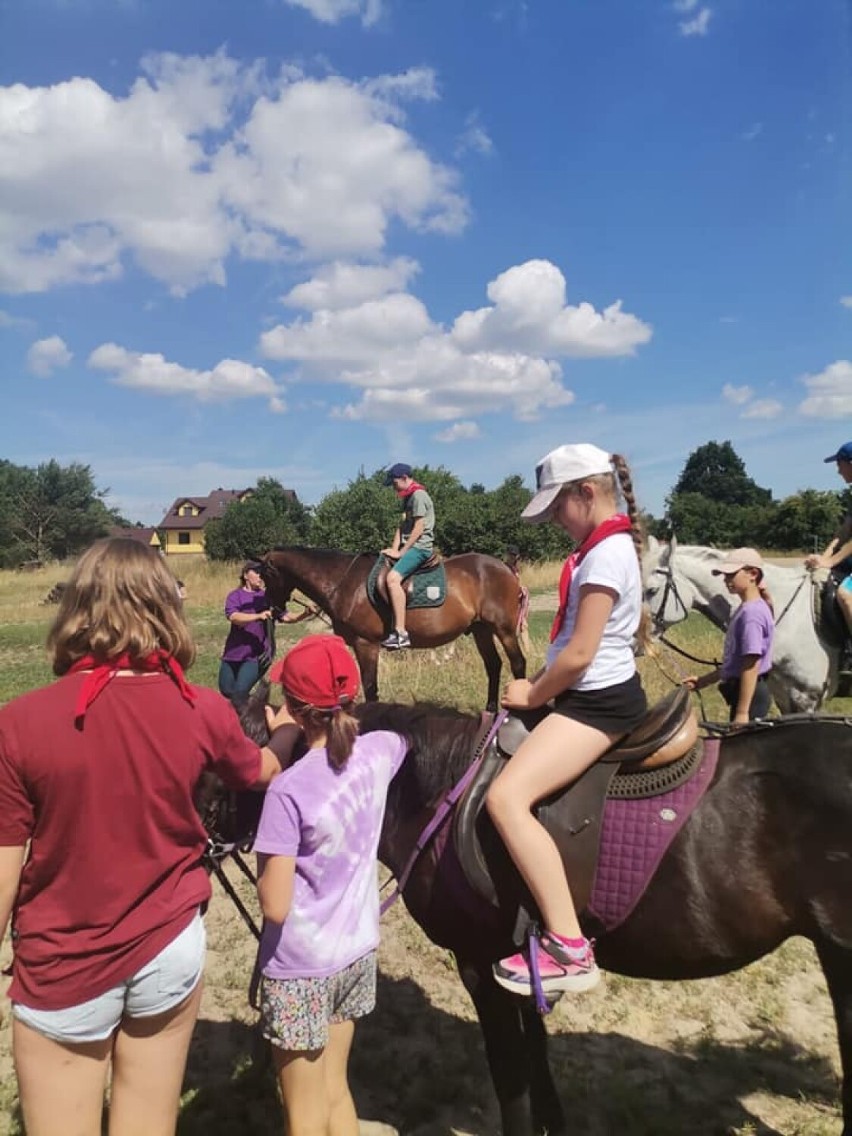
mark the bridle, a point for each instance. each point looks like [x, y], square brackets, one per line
[658, 623]
[220, 815]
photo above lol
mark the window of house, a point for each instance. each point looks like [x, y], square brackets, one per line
[183, 538]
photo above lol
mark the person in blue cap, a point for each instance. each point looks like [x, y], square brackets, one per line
[412, 545]
[837, 557]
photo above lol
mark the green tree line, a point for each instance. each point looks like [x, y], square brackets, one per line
[53, 512]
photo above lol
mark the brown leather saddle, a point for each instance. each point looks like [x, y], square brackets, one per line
[666, 737]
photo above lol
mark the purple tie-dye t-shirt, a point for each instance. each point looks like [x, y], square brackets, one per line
[330, 821]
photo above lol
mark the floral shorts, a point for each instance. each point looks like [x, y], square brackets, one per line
[295, 1013]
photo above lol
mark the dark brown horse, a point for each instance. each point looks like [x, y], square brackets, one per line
[767, 854]
[484, 598]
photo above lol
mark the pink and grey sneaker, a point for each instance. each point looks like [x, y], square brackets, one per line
[560, 970]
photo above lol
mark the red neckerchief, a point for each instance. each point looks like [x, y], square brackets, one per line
[103, 673]
[617, 524]
[412, 488]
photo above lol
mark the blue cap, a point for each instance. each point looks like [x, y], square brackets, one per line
[844, 454]
[398, 470]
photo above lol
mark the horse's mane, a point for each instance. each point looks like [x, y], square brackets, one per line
[706, 553]
[320, 553]
[440, 737]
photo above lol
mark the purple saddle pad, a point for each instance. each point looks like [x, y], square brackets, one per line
[634, 837]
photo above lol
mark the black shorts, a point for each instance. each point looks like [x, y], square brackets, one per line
[761, 700]
[613, 709]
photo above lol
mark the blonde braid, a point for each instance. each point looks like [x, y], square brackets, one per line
[625, 481]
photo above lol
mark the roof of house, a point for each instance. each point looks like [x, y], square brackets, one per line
[135, 532]
[209, 508]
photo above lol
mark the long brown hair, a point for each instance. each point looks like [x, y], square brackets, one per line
[339, 727]
[611, 483]
[121, 599]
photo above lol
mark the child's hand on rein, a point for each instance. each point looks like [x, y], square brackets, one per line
[516, 695]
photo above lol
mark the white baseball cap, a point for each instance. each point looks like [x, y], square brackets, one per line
[560, 466]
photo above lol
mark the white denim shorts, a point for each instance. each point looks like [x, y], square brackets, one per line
[160, 985]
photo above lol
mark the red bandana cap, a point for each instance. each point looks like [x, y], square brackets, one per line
[318, 671]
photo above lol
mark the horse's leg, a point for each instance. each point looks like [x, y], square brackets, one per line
[367, 655]
[508, 1061]
[546, 1107]
[837, 967]
[483, 636]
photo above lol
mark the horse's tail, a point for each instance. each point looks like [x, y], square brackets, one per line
[513, 560]
[522, 626]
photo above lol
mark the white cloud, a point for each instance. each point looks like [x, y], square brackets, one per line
[206, 158]
[699, 24]
[846, 301]
[229, 379]
[458, 432]
[474, 138]
[763, 408]
[47, 355]
[754, 131]
[18, 322]
[343, 285]
[333, 11]
[529, 313]
[829, 392]
[737, 395]
[404, 365]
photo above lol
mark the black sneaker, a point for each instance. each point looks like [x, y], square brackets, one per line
[396, 641]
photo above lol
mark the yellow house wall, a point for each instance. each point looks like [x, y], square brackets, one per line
[172, 548]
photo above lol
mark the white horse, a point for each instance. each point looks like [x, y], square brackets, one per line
[679, 579]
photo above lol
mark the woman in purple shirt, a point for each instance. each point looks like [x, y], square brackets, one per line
[747, 654]
[250, 646]
[317, 846]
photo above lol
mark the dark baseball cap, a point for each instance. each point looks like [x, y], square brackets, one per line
[398, 470]
[844, 454]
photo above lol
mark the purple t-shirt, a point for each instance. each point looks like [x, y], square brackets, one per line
[750, 632]
[330, 820]
[245, 640]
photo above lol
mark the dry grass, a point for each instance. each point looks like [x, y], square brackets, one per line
[750, 1053]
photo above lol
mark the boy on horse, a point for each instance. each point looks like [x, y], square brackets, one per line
[412, 545]
[837, 557]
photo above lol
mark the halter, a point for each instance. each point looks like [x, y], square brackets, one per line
[659, 624]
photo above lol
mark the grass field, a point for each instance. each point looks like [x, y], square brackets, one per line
[749, 1053]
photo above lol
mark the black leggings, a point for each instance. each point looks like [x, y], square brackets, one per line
[729, 688]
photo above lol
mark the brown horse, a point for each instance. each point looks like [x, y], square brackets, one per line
[484, 598]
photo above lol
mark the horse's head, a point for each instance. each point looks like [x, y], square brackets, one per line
[668, 593]
[277, 580]
[230, 818]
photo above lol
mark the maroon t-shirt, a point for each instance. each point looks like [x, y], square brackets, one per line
[114, 870]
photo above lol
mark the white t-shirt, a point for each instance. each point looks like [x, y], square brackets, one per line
[611, 564]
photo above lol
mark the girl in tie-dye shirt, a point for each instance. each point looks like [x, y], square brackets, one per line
[317, 846]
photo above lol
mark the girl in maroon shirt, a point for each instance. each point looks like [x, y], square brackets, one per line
[97, 773]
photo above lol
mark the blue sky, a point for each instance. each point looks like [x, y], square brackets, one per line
[301, 238]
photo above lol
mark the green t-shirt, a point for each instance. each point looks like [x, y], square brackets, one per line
[419, 504]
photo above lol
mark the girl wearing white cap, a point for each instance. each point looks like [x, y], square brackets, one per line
[590, 676]
[747, 654]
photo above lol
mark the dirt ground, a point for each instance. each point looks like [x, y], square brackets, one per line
[753, 1052]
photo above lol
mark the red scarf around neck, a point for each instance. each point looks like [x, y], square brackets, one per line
[103, 673]
[412, 488]
[617, 524]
